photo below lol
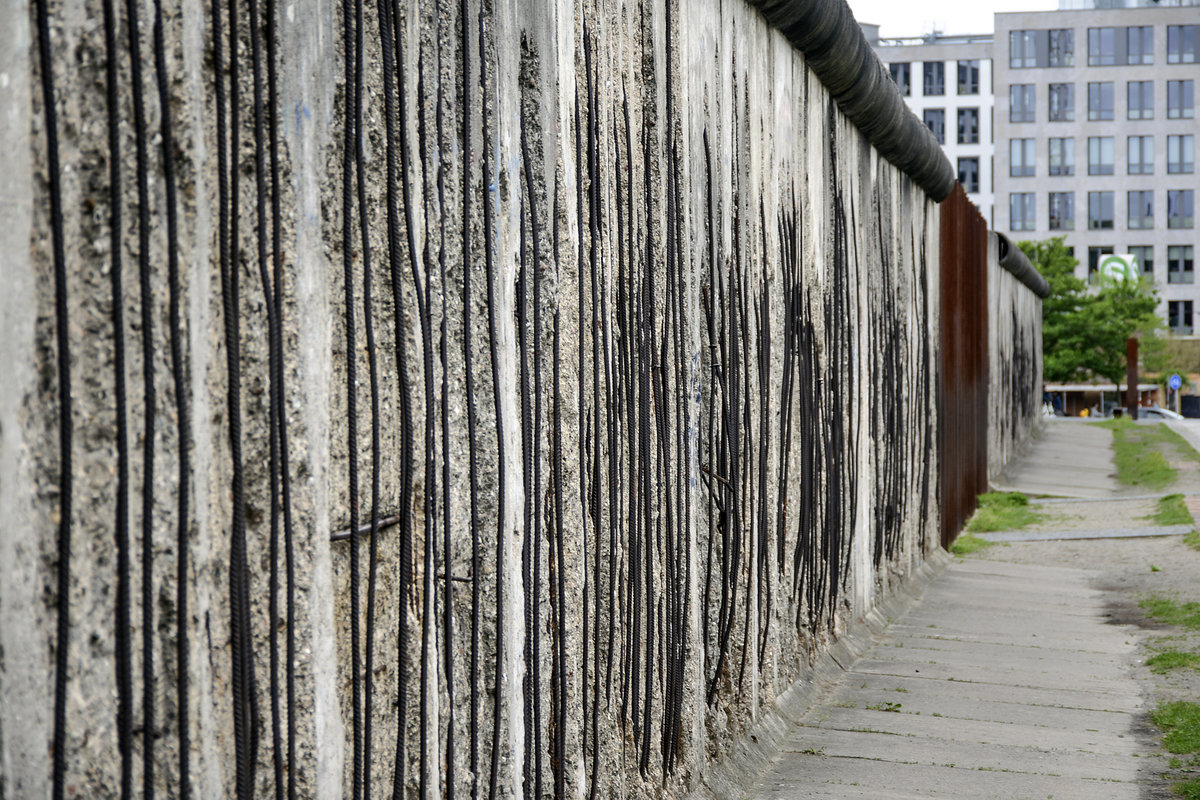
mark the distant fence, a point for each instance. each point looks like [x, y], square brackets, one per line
[452, 399]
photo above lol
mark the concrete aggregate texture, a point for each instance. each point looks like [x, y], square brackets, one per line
[510, 359]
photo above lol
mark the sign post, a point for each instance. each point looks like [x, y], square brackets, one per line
[1131, 376]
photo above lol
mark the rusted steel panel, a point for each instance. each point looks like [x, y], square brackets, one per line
[963, 385]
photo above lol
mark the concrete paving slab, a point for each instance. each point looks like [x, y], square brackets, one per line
[1097, 533]
[1067, 459]
[1001, 681]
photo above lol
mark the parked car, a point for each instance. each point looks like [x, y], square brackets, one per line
[1158, 413]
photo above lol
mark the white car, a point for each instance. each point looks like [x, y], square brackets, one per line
[1158, 413]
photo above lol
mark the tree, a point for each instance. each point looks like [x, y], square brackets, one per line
[1084, 332]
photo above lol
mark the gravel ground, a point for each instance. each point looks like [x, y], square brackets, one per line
[1127, 570]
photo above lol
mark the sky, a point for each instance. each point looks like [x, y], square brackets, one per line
[897, 18]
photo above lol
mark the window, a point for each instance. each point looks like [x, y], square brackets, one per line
[1140, 99]
[935, 78]
[1094, 254]
[968, 77]
[968, 173]
[1021, 102]
[1181, 99]
[1062, 47]
[1100, 211]
[1140, 155]
[1102, 47]
[1139, 45]
[1179, 264]
[1062, 102]
[1180, 208]
[968, 126]
[902, 75]
[1021, 211]
[935, 120]
[1062, 156]
[1100, 100]
[1100, 155]
[1022, 156]
[1062, 211]
[1181, 153]
[1141, 209]
[1022, 49]
[1179, 316]
[1181, 44]
[1144, 254]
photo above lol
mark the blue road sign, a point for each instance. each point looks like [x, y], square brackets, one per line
[1174, 382]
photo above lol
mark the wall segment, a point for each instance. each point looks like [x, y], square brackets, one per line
[549, 385]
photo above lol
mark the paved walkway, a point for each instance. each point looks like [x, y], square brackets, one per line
[1001, 681]
[1069, 458]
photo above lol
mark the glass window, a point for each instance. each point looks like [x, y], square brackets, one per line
[1100, 211]
[1179, 316]
[1062, 211]
[1062, 102]
[1062, 156]
[902, 75]
[1094, 254]
[968, 126]
[968, 173]
[1100, 155]
[1140, 155]
[1181, 99]
[968, 77]
[1139, 45]
[1180, 267]
[1181, 44]
[935, 119]
[935, 78]
[1141, 209]
[1021, 157]
[1102, 47]
[1021, 211]
[1144, 253]
[1139, 97]
[1062, 47]
[1022, 49]
[1021, 102]
[1100, 100]
[1181, 154]
[1180, 208]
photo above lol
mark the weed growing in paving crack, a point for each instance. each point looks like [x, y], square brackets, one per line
[884, 707]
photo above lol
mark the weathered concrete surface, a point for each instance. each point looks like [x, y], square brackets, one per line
[1066, 458]
[1003, 682]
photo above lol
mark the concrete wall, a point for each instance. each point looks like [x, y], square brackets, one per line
[628, 374]
[1015, 361]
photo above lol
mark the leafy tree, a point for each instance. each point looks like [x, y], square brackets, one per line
[1084, 332]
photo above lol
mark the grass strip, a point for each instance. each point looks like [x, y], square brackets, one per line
[1172, 510]
[1170, 612]
[1002, 511]
[1192, 540]
[1180, 721]
[1172, 659]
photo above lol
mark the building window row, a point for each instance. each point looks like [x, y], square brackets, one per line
[968, 124]
[1139, 206]
[1139, 155]
[1106, 47]
[933, 75]
[1139, 101]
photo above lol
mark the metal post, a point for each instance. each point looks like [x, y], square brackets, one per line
[1131, 376]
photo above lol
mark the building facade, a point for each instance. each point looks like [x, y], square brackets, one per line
[947, 82]
[1096, 128]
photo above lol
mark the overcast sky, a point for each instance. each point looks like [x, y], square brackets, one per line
[898, 18]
